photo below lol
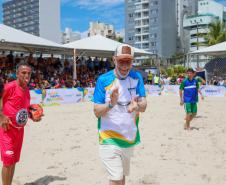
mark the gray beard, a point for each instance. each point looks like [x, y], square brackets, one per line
[121, 77]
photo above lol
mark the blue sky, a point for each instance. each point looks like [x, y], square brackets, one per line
[77, 14]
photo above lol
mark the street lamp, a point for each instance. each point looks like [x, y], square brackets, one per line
[197, 45]
[197, 36]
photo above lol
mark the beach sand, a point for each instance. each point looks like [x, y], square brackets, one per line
[63, 148]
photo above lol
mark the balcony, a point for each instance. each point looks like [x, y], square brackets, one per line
[141, 2]
[194, 48]
[146, 30]
[194, 40]
[200, 30]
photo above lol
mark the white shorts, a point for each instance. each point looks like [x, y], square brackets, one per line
[116, 161]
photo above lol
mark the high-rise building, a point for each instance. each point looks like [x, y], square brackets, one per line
[184, 8]
[38, 17]
[198, 25]
[151, 25]
[103, 29]
[69, 36]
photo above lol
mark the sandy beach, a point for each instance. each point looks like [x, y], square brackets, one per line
[63, 148]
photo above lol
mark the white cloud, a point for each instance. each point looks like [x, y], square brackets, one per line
[94, 4]
[84, 34]
[107, 11]
[121, 32]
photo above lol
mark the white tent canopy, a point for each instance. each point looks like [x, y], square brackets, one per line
[99, 46]
[13, 39]
[215, 50]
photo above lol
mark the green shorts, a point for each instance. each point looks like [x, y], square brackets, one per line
[190, 108]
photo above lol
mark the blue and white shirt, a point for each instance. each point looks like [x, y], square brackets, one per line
[190, 88]
[118, 127]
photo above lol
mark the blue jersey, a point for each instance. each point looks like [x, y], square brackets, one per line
[190, 88]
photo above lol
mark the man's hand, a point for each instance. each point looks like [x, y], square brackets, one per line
[114, 96]
[4, 122]
[133, 106]
[36, 120]
[35, 112]
[202, 97]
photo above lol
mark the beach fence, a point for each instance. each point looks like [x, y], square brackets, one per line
[50, 97]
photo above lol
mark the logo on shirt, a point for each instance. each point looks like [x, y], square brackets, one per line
[9, 152]
[22, 117]
[132, 89]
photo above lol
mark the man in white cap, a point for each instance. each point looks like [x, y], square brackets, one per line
[119, 97]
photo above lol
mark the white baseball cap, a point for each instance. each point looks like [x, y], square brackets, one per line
[124, 51]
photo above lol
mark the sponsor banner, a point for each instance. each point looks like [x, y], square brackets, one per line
[225, 91]
[75, 95]
[36, 96]
[207, 90]
[215, 91]
[62, 96]
[147, 89]
[171, 89]
[88, 94]
[153, 90]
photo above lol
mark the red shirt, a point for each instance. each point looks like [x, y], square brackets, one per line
[15, 103]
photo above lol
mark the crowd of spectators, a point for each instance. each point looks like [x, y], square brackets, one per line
[51, 72]
[219, 81]
[176, 80]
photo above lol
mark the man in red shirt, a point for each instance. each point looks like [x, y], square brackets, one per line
[13, 117]
[1, 88]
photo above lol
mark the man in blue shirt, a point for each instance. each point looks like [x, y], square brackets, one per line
[119, 98]
[189, 90]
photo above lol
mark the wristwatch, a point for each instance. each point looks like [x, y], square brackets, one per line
[110, 105]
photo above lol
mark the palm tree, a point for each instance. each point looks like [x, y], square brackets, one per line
[217, 33]
[119, 39]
